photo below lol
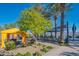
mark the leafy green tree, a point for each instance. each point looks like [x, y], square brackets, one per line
[32, 20]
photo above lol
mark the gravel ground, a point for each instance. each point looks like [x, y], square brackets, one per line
[31, 49]
[72, 50]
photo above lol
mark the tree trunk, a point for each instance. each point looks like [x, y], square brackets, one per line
[34, 36]
[55, 19]
[62, 23]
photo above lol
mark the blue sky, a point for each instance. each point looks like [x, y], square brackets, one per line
[9, 13]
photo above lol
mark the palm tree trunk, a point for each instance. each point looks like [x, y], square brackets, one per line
[55, 18]
[62, 23]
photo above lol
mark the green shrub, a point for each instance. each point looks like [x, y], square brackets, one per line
[49, 47]
[19, 54]
[43, 45]
[10, 45]
[7, 46]
[25, 54]
[32, 41]
[37, 54]
[66, 44]
[29, 44]
[44, 50]
[61, 43]
[39, 44]
[23, 45]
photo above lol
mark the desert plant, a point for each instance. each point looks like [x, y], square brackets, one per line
[37, 54]
[32, 41]
[44, 50]
[19, 54]
[23, 45]
[10, 45]
[49, 47]
[27, 54]
[66, 44]
[73, 30]
[7, 46]
[39, 44]
[29, 44]
[67, 39]
[43, 45]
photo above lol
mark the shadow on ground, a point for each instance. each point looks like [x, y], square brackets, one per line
[69, 54]
[74, 45]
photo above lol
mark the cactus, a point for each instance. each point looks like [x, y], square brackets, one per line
[66, 40]
[73, 30]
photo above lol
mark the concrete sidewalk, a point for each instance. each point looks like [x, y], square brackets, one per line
[62, 51]
[72, 50]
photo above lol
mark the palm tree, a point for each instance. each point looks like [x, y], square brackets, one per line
[63, 7]
[55, 12]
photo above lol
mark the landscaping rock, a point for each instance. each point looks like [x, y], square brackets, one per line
[5, 53]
